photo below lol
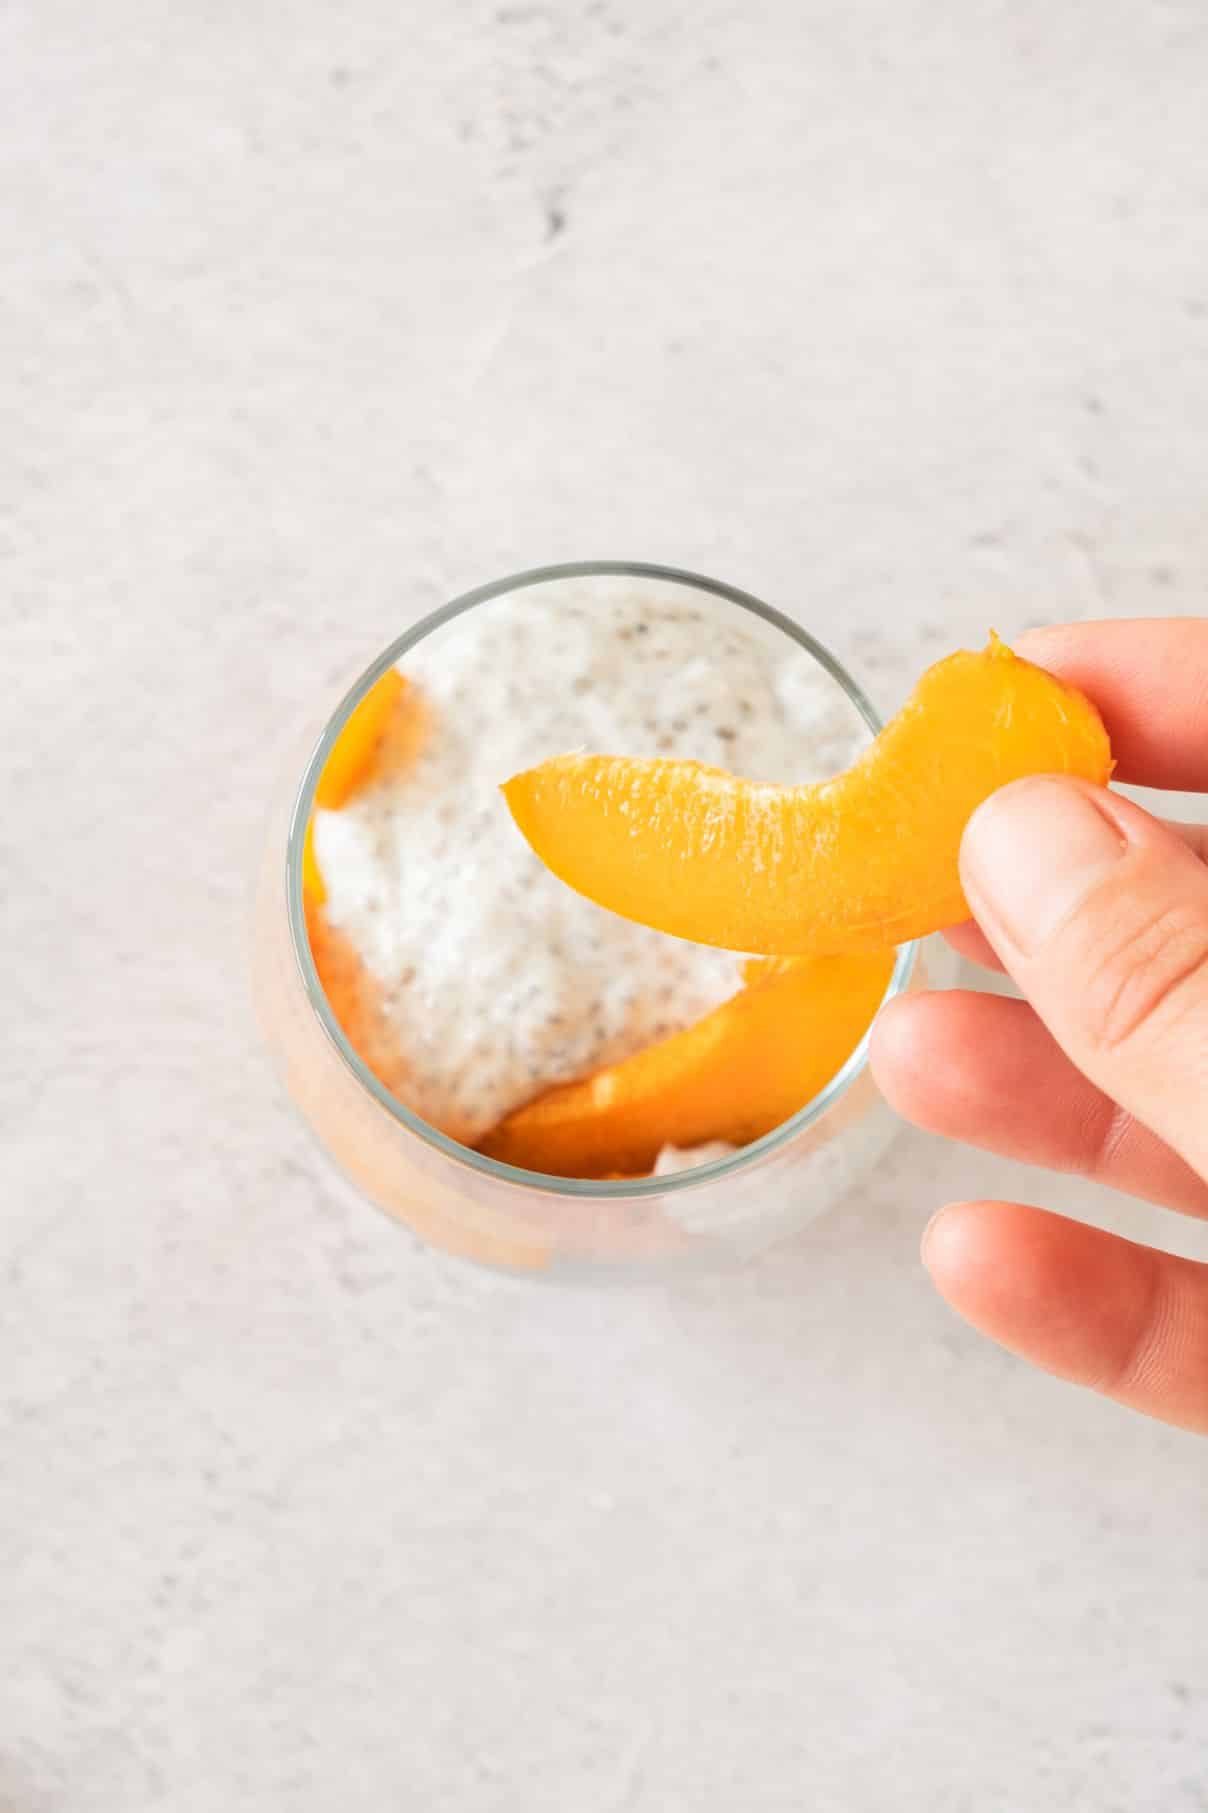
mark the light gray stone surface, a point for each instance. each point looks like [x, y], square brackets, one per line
[893, 310]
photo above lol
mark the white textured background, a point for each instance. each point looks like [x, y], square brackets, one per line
[895, 311]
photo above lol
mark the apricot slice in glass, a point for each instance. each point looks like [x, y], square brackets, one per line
[349, 766]
[355, 1000]
[352, 757]
[856, 863]
[733, 1075]
[314, 893]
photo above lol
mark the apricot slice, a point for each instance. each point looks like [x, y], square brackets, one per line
[732, 1076]
[352, 757]
[856, 863]
[355, 1000]
[349, 766]
[314, 893]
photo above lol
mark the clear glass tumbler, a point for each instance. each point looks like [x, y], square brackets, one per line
[471, 1205]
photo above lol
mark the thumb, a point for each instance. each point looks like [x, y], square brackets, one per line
[1100, 913]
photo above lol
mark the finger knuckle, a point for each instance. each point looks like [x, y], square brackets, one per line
[1144, 1347]
[1112, 1131]
[1145, 970]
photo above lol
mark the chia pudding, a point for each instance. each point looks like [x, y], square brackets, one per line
[492, 979]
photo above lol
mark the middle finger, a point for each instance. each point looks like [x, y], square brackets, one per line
[983, 1069]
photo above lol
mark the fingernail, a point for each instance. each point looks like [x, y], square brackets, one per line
[1031, 855]
[927, 1233]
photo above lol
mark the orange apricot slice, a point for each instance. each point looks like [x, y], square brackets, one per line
[856, 863]
[349, 766]
[355, 1000]
[732, 1076]
[355, 749]
[314, 892]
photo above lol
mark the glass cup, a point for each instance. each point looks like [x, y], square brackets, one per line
[471, 1205]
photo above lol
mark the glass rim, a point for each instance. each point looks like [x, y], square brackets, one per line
[598, 1189]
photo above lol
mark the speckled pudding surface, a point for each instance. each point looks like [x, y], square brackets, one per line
[496, 979]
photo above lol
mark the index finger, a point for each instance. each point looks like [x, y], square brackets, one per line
[1149, 679]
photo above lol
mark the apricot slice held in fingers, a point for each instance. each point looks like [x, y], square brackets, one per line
[732, 1076]
[856, 863]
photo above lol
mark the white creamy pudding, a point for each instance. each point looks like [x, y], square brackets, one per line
[495, 979]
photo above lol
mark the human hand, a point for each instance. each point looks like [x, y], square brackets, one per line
[1100, 914]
